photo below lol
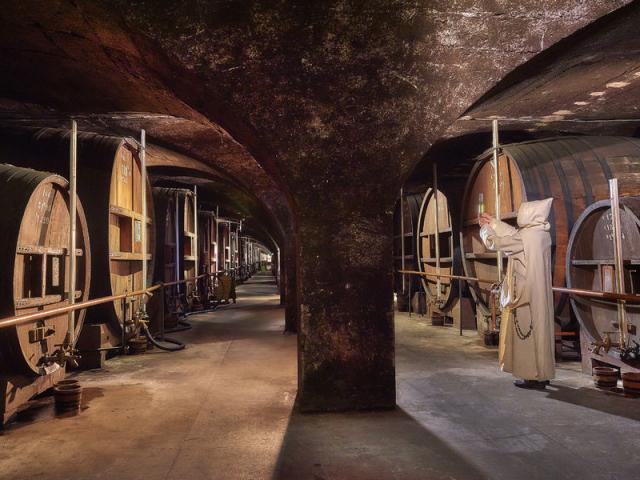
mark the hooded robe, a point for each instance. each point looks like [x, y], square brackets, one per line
[527, 328]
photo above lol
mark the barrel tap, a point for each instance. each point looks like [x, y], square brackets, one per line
[63, 355]
[141, 317]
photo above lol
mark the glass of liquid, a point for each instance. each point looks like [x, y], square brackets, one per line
[480, 205]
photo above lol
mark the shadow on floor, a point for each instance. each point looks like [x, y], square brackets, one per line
[600, 401]
[366, 445]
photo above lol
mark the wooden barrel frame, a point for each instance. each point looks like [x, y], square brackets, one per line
[425, 248]
[592, 237]
[207, 242]
[108, 176]
[35, 277]
[188, 245]
[164, 200]
[411, 204]
[573, 170]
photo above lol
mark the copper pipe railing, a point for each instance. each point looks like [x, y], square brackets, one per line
[627, 297]
[32, 317]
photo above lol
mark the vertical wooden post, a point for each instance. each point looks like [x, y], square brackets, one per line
[437, 223]
[73, 205]
[218, 241]
[230, 251]
[617, 252]
[179, 242]
[143, 226]
[195, 236]
[402, 239]
[496, 166]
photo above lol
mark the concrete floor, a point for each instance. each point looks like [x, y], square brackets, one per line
[223, 409]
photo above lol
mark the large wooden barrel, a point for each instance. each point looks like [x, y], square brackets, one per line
[228, 244]
[407, 217]
[188, 243]
[35, 273]
[164, 200]
[590, 265]
[207, 242]
[573, 170]
[109, 182]
[435, 208]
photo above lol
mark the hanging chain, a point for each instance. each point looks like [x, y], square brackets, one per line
[521, 335]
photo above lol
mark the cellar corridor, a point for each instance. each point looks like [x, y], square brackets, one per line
[216, 409]
[224, 408]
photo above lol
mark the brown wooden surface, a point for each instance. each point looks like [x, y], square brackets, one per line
[590, 264]
[17, 390]
[189, 247]
[572, 170]
[125, 224]
[41, 273]
[426, 250]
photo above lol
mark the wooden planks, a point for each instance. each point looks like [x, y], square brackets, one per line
[39, 273]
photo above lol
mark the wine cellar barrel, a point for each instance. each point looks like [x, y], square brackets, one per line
[109, 182]
[573, 170]
[164, 200]
[406, 216]
[35, 275]
[207, 242]
[223, 245]
[188, 242]
[228, 232]
[590, 265]
[435, 208]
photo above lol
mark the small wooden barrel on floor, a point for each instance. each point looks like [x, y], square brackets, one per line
[572, 170]
[605, 377]
[631, 382]
[34, 244]
[590, 265]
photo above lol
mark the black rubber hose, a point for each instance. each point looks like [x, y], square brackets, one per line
[168, 344]
[182, 326]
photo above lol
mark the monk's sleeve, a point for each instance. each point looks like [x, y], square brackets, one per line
[501, 236]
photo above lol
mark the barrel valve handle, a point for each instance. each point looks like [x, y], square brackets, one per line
[63, 355]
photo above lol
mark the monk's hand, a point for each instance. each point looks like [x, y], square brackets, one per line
[485, 219]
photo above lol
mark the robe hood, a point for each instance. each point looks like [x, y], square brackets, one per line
[536, 213]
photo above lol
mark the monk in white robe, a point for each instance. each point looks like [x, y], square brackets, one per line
[526, 298]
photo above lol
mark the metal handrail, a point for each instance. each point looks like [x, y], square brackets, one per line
[627, 297]
[31, 317]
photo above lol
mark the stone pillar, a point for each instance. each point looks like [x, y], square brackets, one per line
[282, 278]
[290, 290]
[346, 338]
